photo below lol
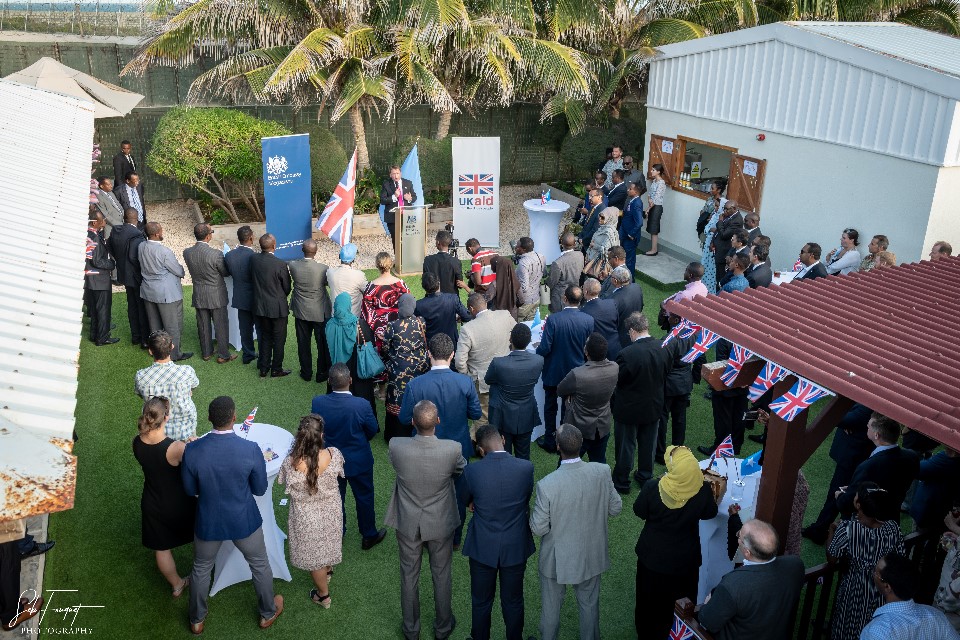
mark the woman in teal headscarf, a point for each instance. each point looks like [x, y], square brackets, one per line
[341, 332]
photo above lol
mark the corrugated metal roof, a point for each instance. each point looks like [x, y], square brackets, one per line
[887, 338]
[918, 46]
[45, 159]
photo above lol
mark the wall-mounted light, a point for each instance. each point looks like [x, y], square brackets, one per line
[761, 137]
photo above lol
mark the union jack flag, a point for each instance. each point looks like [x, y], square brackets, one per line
[734, 364]
[91, 244]
[802, 395]
[680, 630]
[797, 266]
[336, 221]
[476, 184]
[685, 329]
[702, 345]
[771, 375]
[725, 450]
[245, 427]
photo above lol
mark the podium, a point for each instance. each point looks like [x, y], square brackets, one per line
[410, 238]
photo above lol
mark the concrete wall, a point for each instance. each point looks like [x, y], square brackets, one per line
[813, 190]
[945, 215]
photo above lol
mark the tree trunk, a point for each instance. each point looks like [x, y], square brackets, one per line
[360, 138]
[221, 198]
[443, 127]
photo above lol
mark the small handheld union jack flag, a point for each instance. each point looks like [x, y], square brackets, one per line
[245, 427]
[680, 630]
[734, 364]
[685, 329]
[797, 266]
[702, 345]
[803, 394]
[771, 375]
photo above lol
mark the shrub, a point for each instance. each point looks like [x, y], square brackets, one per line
[436, 161]
[584, 151]
[327, 160]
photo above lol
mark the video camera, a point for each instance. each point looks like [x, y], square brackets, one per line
[454, 244]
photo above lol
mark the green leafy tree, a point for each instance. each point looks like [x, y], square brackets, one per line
[328, 159]
[216, 151]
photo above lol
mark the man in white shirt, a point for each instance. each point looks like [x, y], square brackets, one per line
[812, 267]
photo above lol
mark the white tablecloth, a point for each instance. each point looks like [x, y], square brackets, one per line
[713, 533]
[535, 334]
[784, 277]
[545, 226]
[231, 567]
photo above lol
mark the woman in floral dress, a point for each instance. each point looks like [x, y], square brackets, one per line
[713, 206]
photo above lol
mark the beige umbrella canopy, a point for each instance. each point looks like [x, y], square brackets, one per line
[110, 100]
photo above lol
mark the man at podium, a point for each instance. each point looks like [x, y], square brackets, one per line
[394, 189]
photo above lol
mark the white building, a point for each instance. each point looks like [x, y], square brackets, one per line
[819, 126]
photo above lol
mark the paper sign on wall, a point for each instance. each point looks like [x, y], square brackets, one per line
[749, 168]
[666, 146]
[695, 169]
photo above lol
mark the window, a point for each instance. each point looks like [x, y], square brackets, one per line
[699, 164]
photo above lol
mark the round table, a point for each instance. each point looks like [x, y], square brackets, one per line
[231, 567]
[545, 226]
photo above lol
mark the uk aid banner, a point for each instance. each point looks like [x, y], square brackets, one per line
[476, 190]
[286, 192]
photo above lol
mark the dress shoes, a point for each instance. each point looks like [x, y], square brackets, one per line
[186, 355]
[705, 450]
[279, 373]
[39, 548]
[26, 609]
[370, 543]
[206, 358]
[229, 358]
[546, 446]
[758, 438]
[248, 360]
[264, 373]
[266, 623]
[108, 341]
[196, 628]
[306, 377]
[814, 534]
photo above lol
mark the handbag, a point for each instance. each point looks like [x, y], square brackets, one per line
[369, 364]
[598, 268]
[718, 483]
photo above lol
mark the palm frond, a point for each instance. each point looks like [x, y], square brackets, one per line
[357, 86]
[557, 67]
[575, 111]
[939, 16]
[318, 49]
[668, 31]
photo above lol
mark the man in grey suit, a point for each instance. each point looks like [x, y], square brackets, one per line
[512, 379]
[238, 264]
[570, 513]
[423, 510]
[207, 270]
[108, 205]
[481, 340]
[564, 272]
[161, 290]
[310, 305]
[587, 391]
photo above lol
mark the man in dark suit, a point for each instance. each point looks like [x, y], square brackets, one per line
[448, 269]
[604, 314]
[617, 195]
[616, 257]
[561, 345]
[123, 244]
[123, 163]
[96, 281]
[440, 311]
[310, 305]
[591, 223]
[423, 510]
[850, 447]
[349, 425]
[564, 272]
[676, 399]
[729, 223]
[238, 265]
[628, 296]
[498, 538]
[395, 189]
[638, 400]
[890, 466]
[130, 194]
[631, 224]
[225, 472]
[207, 270]
[271, 286]
[812, 267]
[512, 379]
[750, 601]
[751, 224]
[759, 274]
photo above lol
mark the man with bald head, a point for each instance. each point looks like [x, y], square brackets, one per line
[564, 271]
[271, 286]
[940, 249]
[161, 289]
[752, 601]
[310, 305]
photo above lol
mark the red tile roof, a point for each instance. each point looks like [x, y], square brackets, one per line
[887, 338]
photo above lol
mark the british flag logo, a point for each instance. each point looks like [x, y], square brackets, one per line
[803, 394]
[680, 630]
[771, 375]
[475, 184]
[336, 221]
[702, 345]
[734, 364]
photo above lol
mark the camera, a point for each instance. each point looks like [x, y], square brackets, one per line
[454, 244]
[513, 253]
[750, 416]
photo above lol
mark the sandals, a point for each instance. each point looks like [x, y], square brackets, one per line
[323, 601]
[183, 585]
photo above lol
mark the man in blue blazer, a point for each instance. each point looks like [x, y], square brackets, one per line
[631, 225]
[349, 425]
[225, 471]
[238, 264]
[498, 538]
[604, 314]
[439, 310]
[564, 335]
[512, 379]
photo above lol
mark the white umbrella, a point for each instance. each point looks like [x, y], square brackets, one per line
[110, 100]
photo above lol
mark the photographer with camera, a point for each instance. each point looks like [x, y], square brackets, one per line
[445, 265]
[530, 266]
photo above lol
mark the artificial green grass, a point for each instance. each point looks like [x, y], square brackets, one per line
[99, 553]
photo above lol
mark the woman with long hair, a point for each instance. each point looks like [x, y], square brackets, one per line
[166, 511]
[311, 474]
[845, 258]
[657, 188]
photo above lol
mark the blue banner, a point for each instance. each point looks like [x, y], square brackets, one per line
[286, 192]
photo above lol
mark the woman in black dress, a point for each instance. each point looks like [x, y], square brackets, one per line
[167, 512]
[405, 356]
[668, 551]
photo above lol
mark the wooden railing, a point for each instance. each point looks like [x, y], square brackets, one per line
[811, 619]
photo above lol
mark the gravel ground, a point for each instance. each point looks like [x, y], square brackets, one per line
[177, 218]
